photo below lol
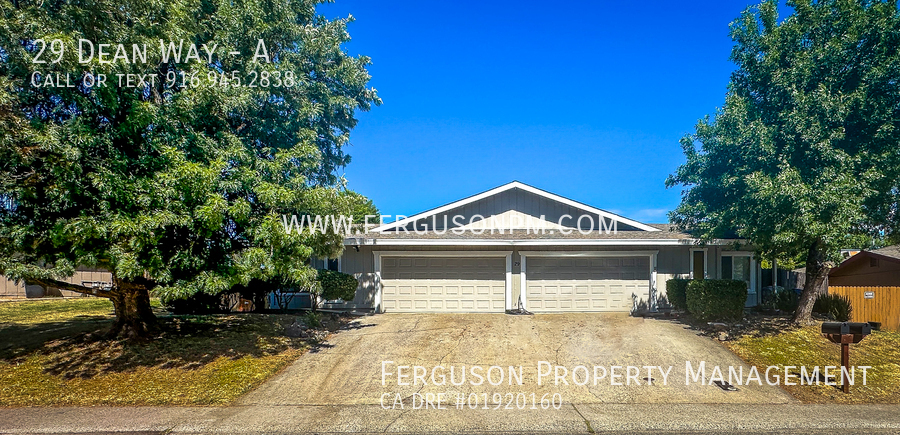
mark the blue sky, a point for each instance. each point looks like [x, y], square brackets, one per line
[584, 99]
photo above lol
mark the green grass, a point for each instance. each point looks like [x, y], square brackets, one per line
[53, 310]
[807, 347]
[30, 312]
[53, 352]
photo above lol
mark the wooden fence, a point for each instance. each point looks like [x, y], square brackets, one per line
[883, 306]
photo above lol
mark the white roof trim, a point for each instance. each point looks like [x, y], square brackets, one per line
[513, 185]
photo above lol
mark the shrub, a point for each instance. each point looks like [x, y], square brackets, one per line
[199, 303]
[836, 306]
[716, 299]
[312, 319]
[676, 292]
[786, 300]
[336, 285]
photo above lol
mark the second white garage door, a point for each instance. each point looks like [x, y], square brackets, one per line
[585, 283]
[443, 284]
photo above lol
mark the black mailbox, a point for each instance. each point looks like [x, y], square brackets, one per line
[846, 333]
[855, 328]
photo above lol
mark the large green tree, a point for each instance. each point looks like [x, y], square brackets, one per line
[174, 189]
[804, 157]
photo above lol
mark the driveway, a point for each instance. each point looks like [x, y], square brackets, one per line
[348, 369]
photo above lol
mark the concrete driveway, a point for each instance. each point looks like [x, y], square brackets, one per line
[348, 369]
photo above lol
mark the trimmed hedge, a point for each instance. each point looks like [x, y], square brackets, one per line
[337, 285]
[716, 299]
[676, 292]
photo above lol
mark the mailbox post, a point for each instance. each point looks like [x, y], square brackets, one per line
[845, 333]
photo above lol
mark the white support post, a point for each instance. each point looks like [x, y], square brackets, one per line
[379, 308]
[509, 281]
[654, 294]
[522, 282]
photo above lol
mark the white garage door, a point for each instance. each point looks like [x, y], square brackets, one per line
[443, 284]
[585, 283]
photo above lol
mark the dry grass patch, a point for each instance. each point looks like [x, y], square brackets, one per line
[807, 347]
[33, 312]
[60, 357]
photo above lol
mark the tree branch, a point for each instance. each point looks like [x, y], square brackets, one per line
[47, 283]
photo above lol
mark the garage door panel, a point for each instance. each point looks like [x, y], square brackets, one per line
[585, 284]
[444, 284]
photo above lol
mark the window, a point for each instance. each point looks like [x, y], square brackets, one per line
[742, 267]
[734, 267]
[325, 263]
[873, 262]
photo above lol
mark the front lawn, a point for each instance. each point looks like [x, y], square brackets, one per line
[52, 352]
[32, 312]
[807, 347]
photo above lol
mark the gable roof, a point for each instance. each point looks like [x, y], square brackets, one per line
[510, 186]
[888, 253]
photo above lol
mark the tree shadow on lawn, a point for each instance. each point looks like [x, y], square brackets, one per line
[79, 349]
[18, 340]
[753, 324]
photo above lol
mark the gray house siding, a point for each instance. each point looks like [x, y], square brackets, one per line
[514, 199]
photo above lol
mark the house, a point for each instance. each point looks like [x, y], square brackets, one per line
[520, 246]
[880, 267]
[871, 281]
[87, 276]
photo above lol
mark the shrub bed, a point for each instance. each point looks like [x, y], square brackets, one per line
[716, 299]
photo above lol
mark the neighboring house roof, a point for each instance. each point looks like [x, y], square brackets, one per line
[517, 185]
[888, 253]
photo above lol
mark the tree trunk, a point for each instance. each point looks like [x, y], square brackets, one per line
[134, 317]
[816, 271]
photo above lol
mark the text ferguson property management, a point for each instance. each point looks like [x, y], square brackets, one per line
[551, 374]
